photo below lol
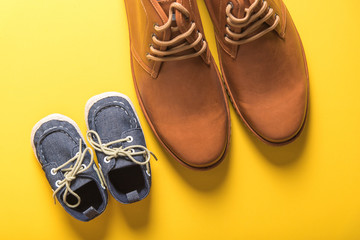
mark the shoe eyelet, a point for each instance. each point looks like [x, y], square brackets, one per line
[83, 166]
[57, 183]
[52, 171]
[147, 56]
[154, 36]
[130, 139]
[148, 173]
[132, 150]
[231, 4]
[106, 160]
[155, 25]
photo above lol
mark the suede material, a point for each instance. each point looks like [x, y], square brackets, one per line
[267, 78]
[184, 102]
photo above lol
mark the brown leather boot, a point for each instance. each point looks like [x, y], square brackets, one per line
[177, 82]
[263, 65]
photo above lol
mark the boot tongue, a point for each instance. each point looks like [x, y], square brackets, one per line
[184, 23]
[239, 7]
[165, 5]
[247, 3]
[239, 12]
[180, 22]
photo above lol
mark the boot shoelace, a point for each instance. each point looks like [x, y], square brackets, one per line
[71, 172]
[166, 55]
[129, 152]
[252, 21]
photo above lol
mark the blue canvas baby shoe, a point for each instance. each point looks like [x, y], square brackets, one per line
[69, 167]
[116, 135]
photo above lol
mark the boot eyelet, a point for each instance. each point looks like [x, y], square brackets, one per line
[52, 171]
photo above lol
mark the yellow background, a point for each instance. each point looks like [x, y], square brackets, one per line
[56, 54]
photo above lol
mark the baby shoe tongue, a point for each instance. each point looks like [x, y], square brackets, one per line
[138, 139]
[79, 181]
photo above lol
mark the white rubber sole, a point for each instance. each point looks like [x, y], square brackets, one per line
[97, 98]
[55, 116]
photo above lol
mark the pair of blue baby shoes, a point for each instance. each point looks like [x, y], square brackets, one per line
[114, 131]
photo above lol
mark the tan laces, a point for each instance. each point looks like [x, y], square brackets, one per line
[128, 152]
[166, 55]
[252, 21]
[71, 172]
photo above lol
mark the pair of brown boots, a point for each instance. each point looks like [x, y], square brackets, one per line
[180, 89]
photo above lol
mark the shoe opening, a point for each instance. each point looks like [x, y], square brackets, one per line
[89, 195]
[128, 183]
